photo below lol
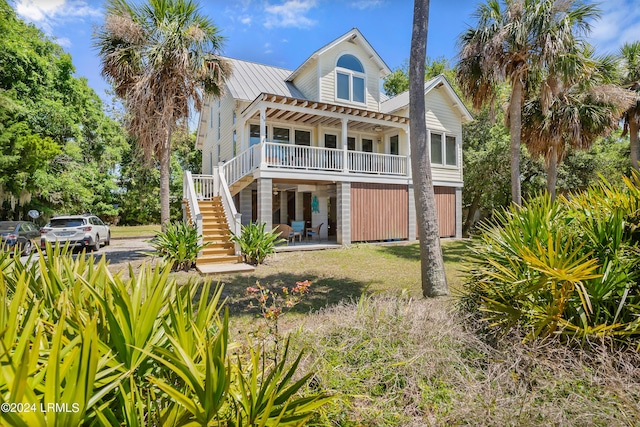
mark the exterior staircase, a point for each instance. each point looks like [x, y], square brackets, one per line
[215, 231]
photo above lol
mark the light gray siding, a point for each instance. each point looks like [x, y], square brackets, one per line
[327, 64]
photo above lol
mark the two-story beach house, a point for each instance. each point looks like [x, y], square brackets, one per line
[324, 145]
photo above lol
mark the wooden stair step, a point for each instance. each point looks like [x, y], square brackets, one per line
[218, 251]
[218, 259]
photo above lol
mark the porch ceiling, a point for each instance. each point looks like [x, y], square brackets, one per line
[312, 113]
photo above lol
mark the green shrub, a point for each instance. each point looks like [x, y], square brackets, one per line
[137, 351]
[256, 243]
[178, 245]
[566, 268]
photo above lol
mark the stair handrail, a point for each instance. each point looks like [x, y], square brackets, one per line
[242, 164]
[232, 215]
[189, 190]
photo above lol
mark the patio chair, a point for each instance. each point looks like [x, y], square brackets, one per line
[313, 231]
[286, 232]
[298, 227]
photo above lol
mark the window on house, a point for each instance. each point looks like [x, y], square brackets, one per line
[281, 135]
[450, 151]
[303, 137]
[219, 125]
[210, 116]
[350, 79]
[443, 150]
[330, 141]
[235, 144]
[254, 135]
[234, 117]
[367, 145]
[394, 146]
[351, 143]
[219, 156]
[436, 148]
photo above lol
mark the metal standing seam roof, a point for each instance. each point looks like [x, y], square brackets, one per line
[400, 100]
[249, 79]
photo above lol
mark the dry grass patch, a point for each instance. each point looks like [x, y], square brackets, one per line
[397, 361]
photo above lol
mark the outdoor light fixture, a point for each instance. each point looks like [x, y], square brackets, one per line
[378, 128]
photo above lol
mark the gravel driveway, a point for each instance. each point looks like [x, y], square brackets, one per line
[122, 252]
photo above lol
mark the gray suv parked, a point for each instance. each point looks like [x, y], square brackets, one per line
[79, 230]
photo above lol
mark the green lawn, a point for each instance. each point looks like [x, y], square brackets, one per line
[134, 231]
[344, 274]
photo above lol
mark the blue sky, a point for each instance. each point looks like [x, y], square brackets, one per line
[285, 32]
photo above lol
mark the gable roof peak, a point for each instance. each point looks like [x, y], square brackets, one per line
[353, 36]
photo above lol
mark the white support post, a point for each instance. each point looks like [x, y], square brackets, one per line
[263, 137]
[345, 146]
[408, 148]
[413, 222]
[458, 213]
[344, 212]
[246, 209]
[265, 202]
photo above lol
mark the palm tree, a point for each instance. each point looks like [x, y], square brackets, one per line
[161, 59]
[434, 281]
[585, 107]
[630, 55]
[512, 43]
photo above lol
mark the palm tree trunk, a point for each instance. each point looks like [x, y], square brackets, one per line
[471, 213]
[552, 171]
[434, 281]
[634, 144]
[165, 175]
[515, 127]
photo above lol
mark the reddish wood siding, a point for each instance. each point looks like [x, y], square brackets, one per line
[379, 212]
[446, 205]
[446, 211]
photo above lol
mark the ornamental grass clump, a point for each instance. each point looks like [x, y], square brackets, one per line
[256, 243]
[178, 245]
[104, 350]
[564, 268]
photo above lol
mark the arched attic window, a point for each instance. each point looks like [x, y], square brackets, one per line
[350, 79]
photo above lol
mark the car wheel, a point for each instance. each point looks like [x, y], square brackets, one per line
[28, 247]
[108, 242]
[96, 246]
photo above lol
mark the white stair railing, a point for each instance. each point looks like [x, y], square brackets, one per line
[241, 165]
[189, 192]
[232, 215]
[206, 187]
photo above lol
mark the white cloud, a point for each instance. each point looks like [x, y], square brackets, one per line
[619, 23]
[291, 13]
[366, 4]
[246, 20]
[64, 42]
[50, 12]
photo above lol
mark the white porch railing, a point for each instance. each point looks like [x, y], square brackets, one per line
[205, 186]
[383, 164]
[303, 157]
